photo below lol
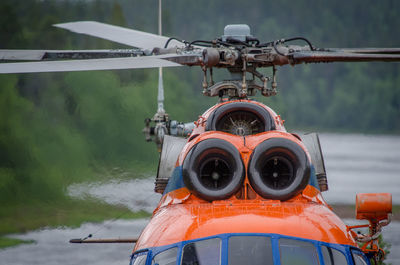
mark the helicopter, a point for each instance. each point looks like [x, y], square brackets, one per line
[237, 187]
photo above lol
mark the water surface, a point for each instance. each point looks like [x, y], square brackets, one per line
[361, 164]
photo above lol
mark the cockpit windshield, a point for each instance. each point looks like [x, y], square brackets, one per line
[255, 250]
[297, 252]
[359, 259]
[167, 257]
[203, 252]
[332, 256]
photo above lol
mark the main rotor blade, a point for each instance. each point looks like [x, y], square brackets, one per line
[134, 38]
[38, 55]
[92, 64]
[325, 57]
[366, 50]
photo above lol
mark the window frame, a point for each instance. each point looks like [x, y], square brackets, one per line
[178, 252]
[346, 250]
[140, 252]
[359, 253]
[268, 237]
[221, 249]
[316, 245]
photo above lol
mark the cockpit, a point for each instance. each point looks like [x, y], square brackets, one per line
[255, 249]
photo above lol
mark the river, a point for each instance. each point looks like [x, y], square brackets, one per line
[360, 164]
[355, 163]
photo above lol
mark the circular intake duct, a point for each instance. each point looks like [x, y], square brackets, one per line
[240, 118]
[240, 123]
[213, 170]
[279, 169]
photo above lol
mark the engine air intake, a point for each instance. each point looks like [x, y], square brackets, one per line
[213, 170]
[240, 118]
[279, 169]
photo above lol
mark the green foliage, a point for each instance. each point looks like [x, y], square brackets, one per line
[385, 247]
[6, 242]
[39, 155]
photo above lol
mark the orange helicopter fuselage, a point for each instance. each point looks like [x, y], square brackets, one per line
[182, 217]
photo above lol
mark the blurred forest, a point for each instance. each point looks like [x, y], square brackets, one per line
[56, 129]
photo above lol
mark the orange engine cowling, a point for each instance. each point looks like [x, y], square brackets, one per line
[279, 169]
[213, 169]
[243, 144]
[215, 165]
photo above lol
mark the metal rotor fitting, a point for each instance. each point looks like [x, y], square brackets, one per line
[210, 57]
[230, 56]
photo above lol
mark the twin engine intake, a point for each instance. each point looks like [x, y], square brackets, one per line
[278, 169]
[241, 148]
[213, 170]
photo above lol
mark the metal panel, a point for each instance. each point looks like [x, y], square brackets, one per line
[311, 141]
[171, 148]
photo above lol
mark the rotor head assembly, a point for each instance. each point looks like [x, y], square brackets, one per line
[236, 50]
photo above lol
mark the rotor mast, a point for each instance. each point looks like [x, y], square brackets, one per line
[160, 97]
[161, 117]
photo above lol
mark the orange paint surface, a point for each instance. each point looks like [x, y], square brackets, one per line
[373, 206]
[194, 218]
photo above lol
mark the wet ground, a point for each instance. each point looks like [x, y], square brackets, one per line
[52, 247]
[355, 163]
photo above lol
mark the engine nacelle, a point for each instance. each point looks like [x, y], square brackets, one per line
[240, 149]
[213, 170]
[279, 169]
[214, 167]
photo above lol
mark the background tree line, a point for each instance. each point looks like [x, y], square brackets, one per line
[60, 128]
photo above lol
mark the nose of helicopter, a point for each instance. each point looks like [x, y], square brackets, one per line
[181, 222]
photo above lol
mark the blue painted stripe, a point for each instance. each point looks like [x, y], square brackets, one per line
[175, 181]
[313, 178]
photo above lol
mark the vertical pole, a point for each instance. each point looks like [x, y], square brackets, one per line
[159, 18]
[160, 97]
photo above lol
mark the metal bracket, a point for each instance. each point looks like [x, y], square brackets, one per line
[370, 241]
[239, 88]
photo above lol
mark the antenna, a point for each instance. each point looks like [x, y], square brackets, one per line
[160, 97]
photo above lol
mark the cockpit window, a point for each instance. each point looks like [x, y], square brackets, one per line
[167, 257]
[255, 250]
[359, 258]
[297, 252]
[205, 252]
[139, 258]
[333, 256]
